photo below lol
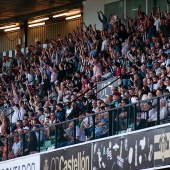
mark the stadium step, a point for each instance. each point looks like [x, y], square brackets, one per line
[122, 131]
[43, 149]
[48, 143]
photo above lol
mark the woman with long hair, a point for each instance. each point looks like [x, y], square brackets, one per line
[32, 143]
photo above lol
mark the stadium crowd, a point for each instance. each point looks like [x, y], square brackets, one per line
[58, 83]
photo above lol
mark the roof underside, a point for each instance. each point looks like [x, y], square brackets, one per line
[20, 10]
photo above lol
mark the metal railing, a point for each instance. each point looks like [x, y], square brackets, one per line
[114, 119]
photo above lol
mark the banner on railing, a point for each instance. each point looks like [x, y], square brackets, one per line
[141, 150]
[127, 152]
[108, 90]
[78, 157]
[31, 162]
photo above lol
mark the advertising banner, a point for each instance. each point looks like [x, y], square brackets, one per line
[78, 157]
[108, 90]
[162, 146]
[128, 152]
[31, 162]
[140, 150]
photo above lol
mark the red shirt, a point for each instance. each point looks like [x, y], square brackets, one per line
[118, 72]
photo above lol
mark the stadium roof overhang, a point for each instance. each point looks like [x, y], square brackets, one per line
[13, 11]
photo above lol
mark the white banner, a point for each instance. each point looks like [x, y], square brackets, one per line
[31, 162]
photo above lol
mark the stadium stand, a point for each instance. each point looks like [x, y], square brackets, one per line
[49, 97]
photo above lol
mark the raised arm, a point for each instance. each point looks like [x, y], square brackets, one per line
[140, 12]
[153, 12]
[104, 17]
[28, 88]
[15, 94]
[159, 12]
[99, 17]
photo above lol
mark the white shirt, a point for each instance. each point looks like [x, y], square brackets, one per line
[94, 109]
[144, 97]
[125, 48]
[80, 134]
[16, 147]
[68, 111]
[157, 23]
[163, 112]
[104, 45]
[85, 120]
[30, 77]
[22, 113]
[15, 116]
[155, 86]
[18, 114]
[54, 96]
[153, 114]
[143, 57]
[59, 95]
[41, 118]
[107, 75]
[158, 70]
[168, 87]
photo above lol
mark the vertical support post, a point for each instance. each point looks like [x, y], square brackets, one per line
[110, 124]
[11, 115]
[158, 111]
[147, 7]
[117, 117]
[147, 117]
[124, 6]
[113, 122]
[56, 134]
[93, 117]
[23, 138]
[127, 120]
[39, 140]
[74, 131]
[135, 116]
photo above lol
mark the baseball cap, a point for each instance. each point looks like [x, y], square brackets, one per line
[26, 128]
